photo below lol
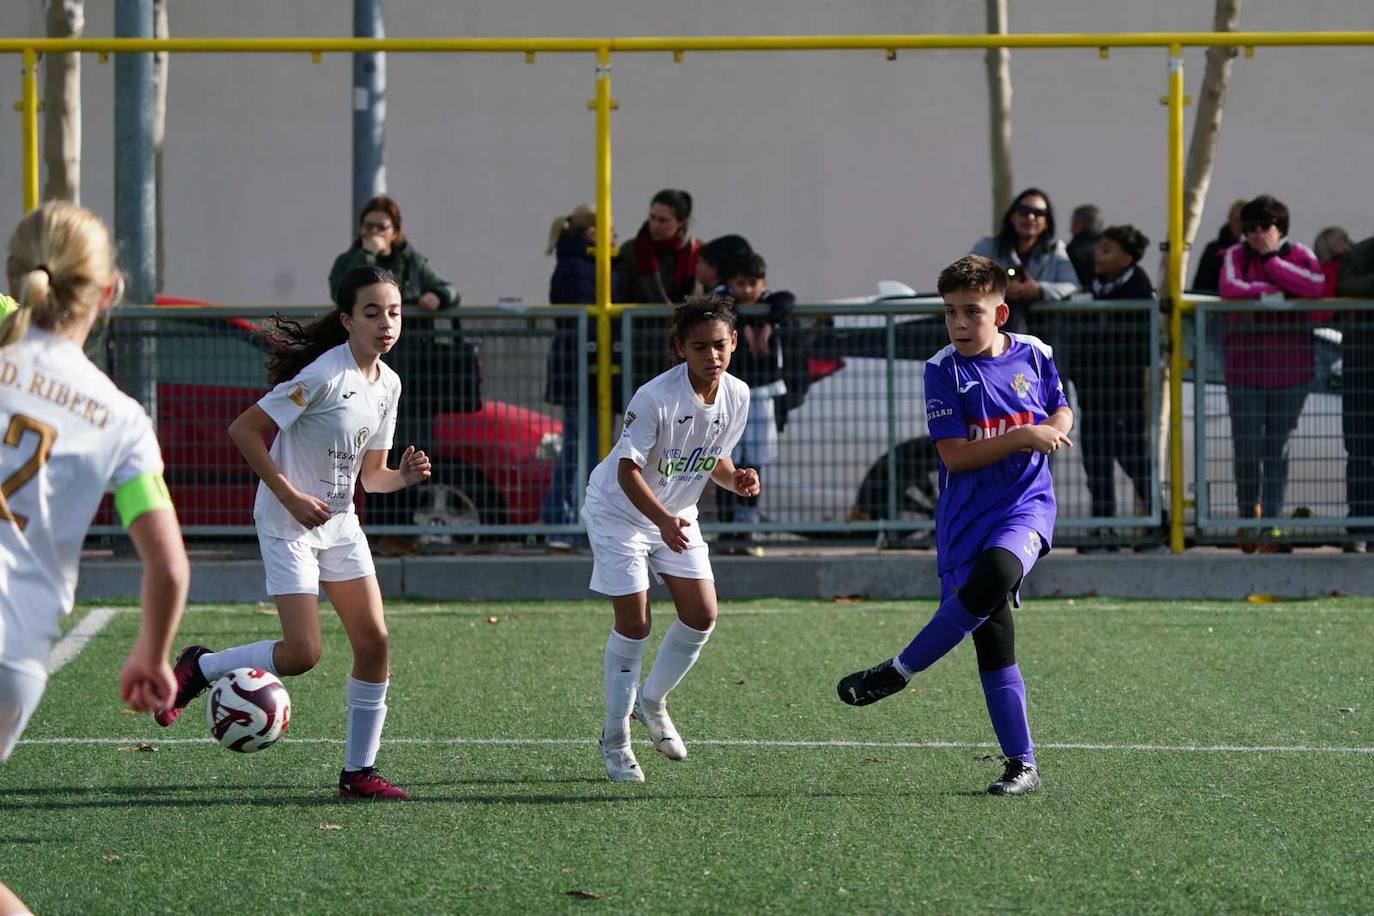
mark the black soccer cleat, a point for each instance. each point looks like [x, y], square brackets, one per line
[190, 684]
[864, 687]
[1018, 778]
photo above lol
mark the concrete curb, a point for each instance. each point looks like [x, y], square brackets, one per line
[1218, 575]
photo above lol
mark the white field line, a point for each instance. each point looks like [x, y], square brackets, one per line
[753, 742]
[71, 645]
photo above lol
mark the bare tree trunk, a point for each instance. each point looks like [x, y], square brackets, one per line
[998, 62]
[62, 104]
[1197, 174]
[160, 61]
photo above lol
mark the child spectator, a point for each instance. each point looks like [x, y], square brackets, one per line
[1111, 372]
[717, 261]
[759, 364]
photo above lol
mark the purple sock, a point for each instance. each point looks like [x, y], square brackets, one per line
[1005, 692]
[951, 623]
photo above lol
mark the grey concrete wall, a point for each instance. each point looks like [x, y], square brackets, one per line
[1219, 575]
[842, 168]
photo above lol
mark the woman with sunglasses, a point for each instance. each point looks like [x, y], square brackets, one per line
[1268, 356]
[1038, 262]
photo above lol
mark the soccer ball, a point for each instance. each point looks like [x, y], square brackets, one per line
[248, 710]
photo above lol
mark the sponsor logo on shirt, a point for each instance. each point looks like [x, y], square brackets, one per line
[938, 413]
[349, 395]
[998, 426]
[692, 466]
[629, 418]
[361, 437]
[685, 419]
[1020, 385]
[300, 396]
[968, 386]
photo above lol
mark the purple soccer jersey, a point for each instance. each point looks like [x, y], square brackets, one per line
[976, 398]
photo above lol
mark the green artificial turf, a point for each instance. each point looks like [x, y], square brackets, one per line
[1141, 711]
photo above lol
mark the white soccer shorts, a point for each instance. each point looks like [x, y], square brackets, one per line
[623, 557]
[298, 567]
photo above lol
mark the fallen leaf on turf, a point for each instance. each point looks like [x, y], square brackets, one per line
[739, 683]
[1262, 598]
[706, 871]
[493, 619]
[585, 895]
[143, 747]
[331, 826]
[875, 760]
[479, 888]
[848, 599]
[110, 858]
[567, 868]
[1347, 708]
[127, 711]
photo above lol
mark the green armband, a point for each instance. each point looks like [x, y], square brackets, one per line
[7, 306]
[142, 494]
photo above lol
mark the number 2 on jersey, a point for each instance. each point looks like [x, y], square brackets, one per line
[14, 436]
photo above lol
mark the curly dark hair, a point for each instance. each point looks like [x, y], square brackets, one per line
[295, 346]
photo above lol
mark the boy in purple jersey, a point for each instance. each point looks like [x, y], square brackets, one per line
[996, 410]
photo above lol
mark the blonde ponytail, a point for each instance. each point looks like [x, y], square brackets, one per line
[575, 223]
[60, 264]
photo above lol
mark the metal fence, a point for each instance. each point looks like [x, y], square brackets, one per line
[1283, 435]
[1281, 444]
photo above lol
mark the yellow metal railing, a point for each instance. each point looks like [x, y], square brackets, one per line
[603, 105]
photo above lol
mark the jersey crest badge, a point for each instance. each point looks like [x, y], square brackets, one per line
[1020, 385]
[361, 437]
[300, 396]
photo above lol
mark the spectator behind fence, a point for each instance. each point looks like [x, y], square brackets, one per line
[717, 259]
[758, 362]
[1208, 276]
[1026, 244]
[659, 264]
[1269, 361]
[438, 371]
[1086, 228]
[573, 283]
[1330, 246]
[1111, 373]
[1356, 281]
[657, 267]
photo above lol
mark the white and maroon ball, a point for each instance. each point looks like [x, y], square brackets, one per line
[248, 710]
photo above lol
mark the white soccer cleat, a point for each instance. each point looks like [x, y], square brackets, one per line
[621, 765]
[661, 730]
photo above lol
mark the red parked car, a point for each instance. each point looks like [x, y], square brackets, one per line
[492, 465]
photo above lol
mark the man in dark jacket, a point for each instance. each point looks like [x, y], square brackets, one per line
[1086, 226]
[1208, 277]
[1356, 281]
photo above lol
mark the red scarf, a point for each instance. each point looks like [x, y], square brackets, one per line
[684, 270]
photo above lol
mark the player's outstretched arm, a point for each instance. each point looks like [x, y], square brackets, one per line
[961, 455]
[631, 480]
[249, 433]
[1062, 420]
[740, 481]
[376, 477]
[146, 682]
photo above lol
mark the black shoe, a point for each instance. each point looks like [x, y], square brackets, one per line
[864, 687]
[190, 684]
[1017, 778]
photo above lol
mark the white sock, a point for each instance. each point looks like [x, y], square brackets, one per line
[901, 669]
[676, 655]
[624, 657]
[366, 713]
[215, 665]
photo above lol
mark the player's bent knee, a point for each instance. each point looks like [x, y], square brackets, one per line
[995, 573]
[297, 658]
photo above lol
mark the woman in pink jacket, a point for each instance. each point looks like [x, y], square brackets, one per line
[1268, 355]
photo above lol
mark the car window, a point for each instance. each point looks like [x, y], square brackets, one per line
[209, 351]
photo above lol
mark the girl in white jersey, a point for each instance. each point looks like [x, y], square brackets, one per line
[69, 435]
[641, 511]
[333, 410]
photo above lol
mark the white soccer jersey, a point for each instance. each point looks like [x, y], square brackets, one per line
[68, 436]
[676, 439]
[329, 415]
